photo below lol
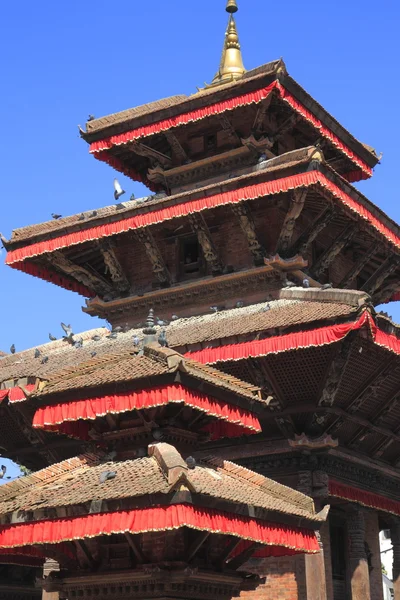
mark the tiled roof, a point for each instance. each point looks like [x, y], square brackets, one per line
[131, 207]
[203, 329]
[132, 366]
[78, 482]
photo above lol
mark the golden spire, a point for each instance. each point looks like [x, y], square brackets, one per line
[231, 66]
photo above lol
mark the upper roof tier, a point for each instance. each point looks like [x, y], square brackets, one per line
[263, 111]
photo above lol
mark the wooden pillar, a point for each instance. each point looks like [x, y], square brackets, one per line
[395, 536]
[50, 566]
[358, 562]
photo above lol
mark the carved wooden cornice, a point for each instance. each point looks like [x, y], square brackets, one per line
[331, 253]
[113, 265]
[151, 153]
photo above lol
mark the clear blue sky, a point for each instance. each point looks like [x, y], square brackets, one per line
[64, 60]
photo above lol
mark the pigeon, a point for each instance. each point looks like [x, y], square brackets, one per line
[266, 308]
[326, 286]
[44, 360]
[132, 197]
[67, 330]
[52, 338]
[214, 309]
[107, 476]
[157, 434]
[117, 329]
[289, 284]
[110, 457]
[93, 354]
[91, 118]
[96, 338]
[37, 353]
[82, 217]
[162, 339]
[306, 283]
[136, 340]
[94, 213]
[191, 462]
[174, 318]
[118, 191]
[262, 158]
[112, 336]
[161, 323]
[56, 216]
[3, 471]
[12, 349]
[239, 304]
[78, 342]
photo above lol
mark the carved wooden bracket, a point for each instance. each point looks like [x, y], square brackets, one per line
[210, 253]
[298, 198]
[383, 272]
[82, 274]
[331, 253]
[246, 223]
[113, 265]
[155, 155]
[177, 150]
[305, 240]
[359, 265]
[228, 127]
[159, 268]
[260, 116]
[336, 372]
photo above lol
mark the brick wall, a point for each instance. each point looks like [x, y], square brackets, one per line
[281, 583]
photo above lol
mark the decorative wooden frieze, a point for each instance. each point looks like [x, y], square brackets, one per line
[305, 240]
[82, 274]
[159, 268]
[113, 266]
[324, 262]
[246, 222]
[359, 265]
[298, 198]
[154, 155]
[177, 149]
[317, 443]
[210, 253]
[383, 272]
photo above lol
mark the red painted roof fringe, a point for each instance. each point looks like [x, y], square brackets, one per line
[17, 394]
[91, 408]
[158, 519]
[220, 107]
[275, 345]
[14, 257]
[339, 490]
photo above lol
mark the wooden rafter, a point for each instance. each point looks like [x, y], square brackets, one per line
[232, 545]
[359, 265]
[157, 262]
[229, 129]
[210, 253]
[297, 200]
[243, 557]
[383, 272]
[155, 155]
[140, 557]
[305, 240]
[263, 108]
[246, 222]
[334, 249]
[85, 551]
[82, 274]
[200, 539]
[113, 265]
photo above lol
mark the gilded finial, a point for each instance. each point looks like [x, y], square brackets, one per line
[231, 66]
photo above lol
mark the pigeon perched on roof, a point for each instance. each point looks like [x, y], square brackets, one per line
[112, 335]
[118, 191]
[93, 354]
[239, 304]
[96, 338]
[191, 462]
[37, 353]
[288, 284]
[174, 318]
[107, 476]
[136, 340]
[78, 342]
[56, 216]
[214, 309]
[306, 283]
[3, 471]
[91, 118]
[52, 338]
[68, 331]
[117, 329]
[12, 349]
[162, 339]
[44, 360]
[82, 217]
[326, 286]
[262, 158]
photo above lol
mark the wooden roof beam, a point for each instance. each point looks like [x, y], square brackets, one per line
[85, 551]
[154, 155]
[263, 108]
[308, 236]
[324, 262]
[154, 254]
[229, 129]
[297, 200]
[82, 274]
[140, 557]
[243, 557]
[359, 265]
[210, 253]
[113, 265]
[383, 272]
[200, 539]
[246, 222]
[178, 152]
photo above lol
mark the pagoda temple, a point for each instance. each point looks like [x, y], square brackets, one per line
[237, 431]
